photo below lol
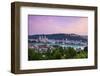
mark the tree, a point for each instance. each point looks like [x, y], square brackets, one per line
[32, 55]
[82, 54]
[56, 54]
[86, 49]
[70, 53]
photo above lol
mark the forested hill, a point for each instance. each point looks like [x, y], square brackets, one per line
[60, 36]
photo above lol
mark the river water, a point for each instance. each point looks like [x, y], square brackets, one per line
[62, 45]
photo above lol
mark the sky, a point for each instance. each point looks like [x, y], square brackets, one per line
[42, 24]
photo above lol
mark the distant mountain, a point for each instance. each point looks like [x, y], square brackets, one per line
[60, 36]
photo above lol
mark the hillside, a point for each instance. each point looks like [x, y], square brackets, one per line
[60, 36]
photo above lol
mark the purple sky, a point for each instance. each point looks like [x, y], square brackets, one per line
[38, 24]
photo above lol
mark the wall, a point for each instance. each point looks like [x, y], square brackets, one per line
[5, 42]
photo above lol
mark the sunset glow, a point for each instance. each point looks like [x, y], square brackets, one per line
[38, 24]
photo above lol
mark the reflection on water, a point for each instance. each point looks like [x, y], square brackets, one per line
[61, 45]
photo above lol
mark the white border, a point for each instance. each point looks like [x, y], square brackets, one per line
[25, 64]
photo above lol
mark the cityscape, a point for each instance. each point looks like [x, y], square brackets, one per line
[42, 44]
[57, 37]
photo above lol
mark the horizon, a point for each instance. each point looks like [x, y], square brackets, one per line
[58, 33]
[57, 24]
